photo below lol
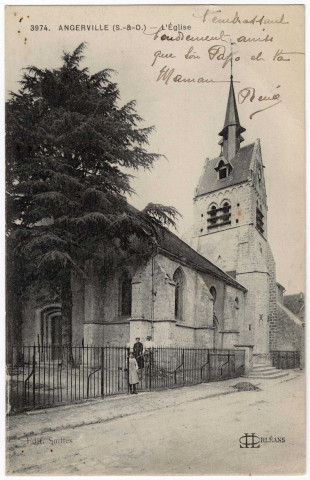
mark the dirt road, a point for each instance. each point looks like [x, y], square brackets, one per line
[198, 437]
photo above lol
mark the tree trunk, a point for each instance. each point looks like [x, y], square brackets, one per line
[13, 328]
[14, 317]
[66, 312]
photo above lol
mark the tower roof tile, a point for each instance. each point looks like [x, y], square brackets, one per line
[210, 181]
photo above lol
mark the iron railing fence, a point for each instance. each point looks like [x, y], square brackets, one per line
[44, 375]
[285, 359]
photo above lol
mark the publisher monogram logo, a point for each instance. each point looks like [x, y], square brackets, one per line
[249, 440]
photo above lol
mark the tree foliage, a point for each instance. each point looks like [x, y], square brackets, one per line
[68, 144]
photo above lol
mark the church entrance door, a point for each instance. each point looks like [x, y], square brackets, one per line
[56, 337]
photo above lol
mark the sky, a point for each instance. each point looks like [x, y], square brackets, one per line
[189, 115]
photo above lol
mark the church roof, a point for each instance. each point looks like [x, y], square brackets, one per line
[240, 172]
[171, 244]
[232, 117]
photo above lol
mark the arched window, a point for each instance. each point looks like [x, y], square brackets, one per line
[260, 220]
[213, 293]
[51, 328]
[226, 212]
[213, 215]
[125, 294]
[236, 302]
[179, 281]
[218, 217]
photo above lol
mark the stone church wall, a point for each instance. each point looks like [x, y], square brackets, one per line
[96, 318]
[210, 243]
[274, 327]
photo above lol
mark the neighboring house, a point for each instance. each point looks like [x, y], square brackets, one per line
[290, 321]
[296, 303]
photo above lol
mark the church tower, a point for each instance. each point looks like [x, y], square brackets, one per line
[230, 227]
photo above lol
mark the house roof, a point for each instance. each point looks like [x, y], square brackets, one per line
[295, 303]
[280, 286]
[210, 182]
[170, 244]
[286, 314]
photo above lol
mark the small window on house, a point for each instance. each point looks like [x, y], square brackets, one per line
[237, 221]
[250, 327]
[202, 214]
[125, 294]
[259, 174]
[213, 293]
[236, 302]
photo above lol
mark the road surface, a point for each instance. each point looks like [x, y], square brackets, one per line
[198, 437]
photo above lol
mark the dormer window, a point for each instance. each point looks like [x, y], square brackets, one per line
[222, 172]
[223, 168]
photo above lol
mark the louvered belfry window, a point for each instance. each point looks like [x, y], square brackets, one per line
[259, 221]
[219, 217]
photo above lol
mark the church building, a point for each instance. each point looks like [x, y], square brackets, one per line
[220, 294]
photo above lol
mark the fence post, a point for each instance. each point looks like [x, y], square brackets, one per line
[150, 369]
[287, 360]
[102, 371]
[34, 375]
[183, 366]
[127, 352]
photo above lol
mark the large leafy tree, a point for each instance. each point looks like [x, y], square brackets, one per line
[69, 142]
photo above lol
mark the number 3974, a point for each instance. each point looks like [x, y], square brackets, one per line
[38, 28]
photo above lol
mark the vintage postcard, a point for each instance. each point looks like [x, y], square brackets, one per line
[155, 179]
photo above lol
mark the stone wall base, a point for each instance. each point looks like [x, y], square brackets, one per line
[105, 334]
[261, 359]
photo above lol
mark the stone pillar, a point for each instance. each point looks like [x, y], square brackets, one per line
[229, 338]
[248, 358]
[141, 328]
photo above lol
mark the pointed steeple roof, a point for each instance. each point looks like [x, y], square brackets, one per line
[232, 117]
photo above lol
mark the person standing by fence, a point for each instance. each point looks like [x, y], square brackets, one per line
[149, 346]
[133, 375]
[138, 352]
